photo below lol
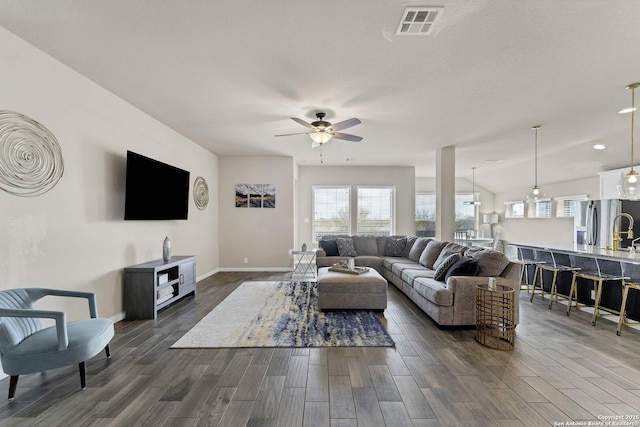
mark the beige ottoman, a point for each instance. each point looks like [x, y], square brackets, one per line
[344, 291]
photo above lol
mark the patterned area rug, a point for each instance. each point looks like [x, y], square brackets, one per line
[283, 314]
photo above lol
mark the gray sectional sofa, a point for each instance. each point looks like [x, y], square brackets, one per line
[440, 277]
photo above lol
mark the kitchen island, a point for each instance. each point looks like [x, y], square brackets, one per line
[621, 263]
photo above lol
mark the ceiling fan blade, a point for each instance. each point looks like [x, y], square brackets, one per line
[345, 124]
[289, 134]
[347, 137]
[303, 123]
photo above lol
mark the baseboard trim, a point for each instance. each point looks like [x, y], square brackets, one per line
[205, 275]
[281, 269]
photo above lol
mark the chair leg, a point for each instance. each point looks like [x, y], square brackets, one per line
[106, 349]
[596, 307]
[537, 273]
[13, 384]
[571, 293]
[623, 308]
[554, 289]
[83, 375]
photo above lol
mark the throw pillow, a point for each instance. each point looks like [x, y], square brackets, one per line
[395, 247]
[491, 262]
[431, 253]
[345, 247]
[450, 248]
[418, 248]
[441, 271]
[330, 247]
[465, 266]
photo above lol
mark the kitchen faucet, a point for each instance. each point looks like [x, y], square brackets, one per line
[616, 234]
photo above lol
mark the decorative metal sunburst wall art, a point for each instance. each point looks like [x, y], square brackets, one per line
[30, 157]
[201, 193]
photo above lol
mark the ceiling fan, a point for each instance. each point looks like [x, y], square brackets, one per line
[322, 131]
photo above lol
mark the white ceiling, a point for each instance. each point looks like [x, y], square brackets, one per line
[229, 73]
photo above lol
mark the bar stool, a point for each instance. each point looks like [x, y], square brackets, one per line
[526, 259]
[551, 264]
[633, 271]
[623, 307]
[598, 278]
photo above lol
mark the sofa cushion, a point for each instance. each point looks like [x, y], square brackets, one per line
[465, 266]
[330, 247]
[345, 246]
[418, 248]
[407, 248]
[389, 262]
[450, 248]
[431, 253]
[398, 267]
[411, 274]
[433, 291]
[395, 246]
[444, 266]
[491, 263]
[365, 245]
[369, 261]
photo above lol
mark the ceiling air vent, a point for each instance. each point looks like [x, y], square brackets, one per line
[418, 21]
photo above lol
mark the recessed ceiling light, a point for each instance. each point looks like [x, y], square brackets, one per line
[627, 110]
[599, 147]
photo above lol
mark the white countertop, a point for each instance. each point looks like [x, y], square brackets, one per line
[621, 255]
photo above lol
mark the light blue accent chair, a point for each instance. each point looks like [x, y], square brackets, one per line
[25, 347]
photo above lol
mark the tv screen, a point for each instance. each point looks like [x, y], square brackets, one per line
[155, 190]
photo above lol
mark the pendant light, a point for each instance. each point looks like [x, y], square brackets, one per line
[536, 194]
[629, 183]
[473, 194]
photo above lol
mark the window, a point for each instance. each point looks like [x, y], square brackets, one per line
[566, 206]
[540, 209]
[331, 214]
[514, 209]
[374, 209]
[465, 212]
[426, 214]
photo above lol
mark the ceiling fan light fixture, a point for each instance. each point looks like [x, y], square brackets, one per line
[320, 137]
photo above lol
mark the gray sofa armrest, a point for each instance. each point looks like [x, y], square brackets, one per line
[464, 294]
[320, 253]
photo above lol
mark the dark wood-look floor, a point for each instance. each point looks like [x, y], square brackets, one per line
[562, 369]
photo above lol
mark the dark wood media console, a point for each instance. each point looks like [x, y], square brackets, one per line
[153, 285]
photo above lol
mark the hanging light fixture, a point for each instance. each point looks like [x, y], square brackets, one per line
[474, 202]
[536, 194]
[629, 182]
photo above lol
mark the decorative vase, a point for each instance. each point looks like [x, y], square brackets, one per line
[304, 247]
[166, 249]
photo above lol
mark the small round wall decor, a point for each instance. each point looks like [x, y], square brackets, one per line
[30, 157]
[201, 193]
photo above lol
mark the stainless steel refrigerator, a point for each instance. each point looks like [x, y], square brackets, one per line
[593, 221]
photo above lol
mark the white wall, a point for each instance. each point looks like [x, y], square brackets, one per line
[74, 237]
[263, 236]
[543, 230]
[403, 178]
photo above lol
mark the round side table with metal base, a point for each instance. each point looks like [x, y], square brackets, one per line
[495, 324]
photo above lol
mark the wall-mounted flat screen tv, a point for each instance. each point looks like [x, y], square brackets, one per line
[155, 190]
